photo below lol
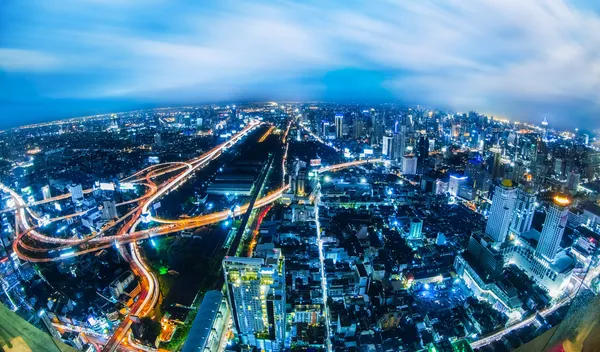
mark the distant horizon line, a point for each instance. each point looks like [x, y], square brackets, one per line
[241, 102]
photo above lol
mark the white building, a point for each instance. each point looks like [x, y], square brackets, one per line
[455, 183]
[409, 165]
[524, 211]
[386, 149]
[501, 211]
[554, 228]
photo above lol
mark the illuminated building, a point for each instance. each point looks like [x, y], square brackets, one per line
[386, 149]
[503, 204]
[539, 254]
[409, 165]
[524, 210]
[256, 295]
[496, 167]
[455, 183]
[339, 126]
[416, 229]
[46, 192]
[554, 227]
[157, 139]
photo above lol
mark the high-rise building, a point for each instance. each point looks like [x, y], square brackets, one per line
[358, 126]
[409, 165]
[416, 229]
[256, 295]
[157, 140]
[301, 182]
[455, 183]
[76, 192]
[378, 128]
[545, 130]
[554, 227]
[109, 210]
[339, 126]
[524, 211]
[46, 192]
[496, 166]
[386, 149]
[503, 205]
[398, 146]
[573, 179]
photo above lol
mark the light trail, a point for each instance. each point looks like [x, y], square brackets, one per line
[264, 136]
[336, 167]
[323, 274]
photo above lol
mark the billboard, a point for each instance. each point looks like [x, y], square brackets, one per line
[315, 162]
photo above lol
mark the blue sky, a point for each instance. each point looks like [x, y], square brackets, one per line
[518, 59]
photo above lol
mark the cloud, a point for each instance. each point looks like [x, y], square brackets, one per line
[22, 60]
[502, 56]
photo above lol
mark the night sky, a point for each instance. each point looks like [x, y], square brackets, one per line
[523, 60]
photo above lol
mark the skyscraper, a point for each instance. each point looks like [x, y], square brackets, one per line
[524, 210]
[398, 146]
[339, 126]
[386, 149]
[157, 140]
[256, 294]
[455, 183]
[503, 204]
[409, 165]
[496, 167]
[554, 227]
[358, 126]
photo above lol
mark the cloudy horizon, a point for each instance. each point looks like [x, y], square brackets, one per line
[520, 60]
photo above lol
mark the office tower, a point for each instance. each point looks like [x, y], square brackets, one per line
[573, 179]
[378, 129]
[503, 205]
[386, 149]
[409, 165]
[324, 130]
[455, 183]
[76, 192]
[109, 210]
[545, 130]
[416, 229]
[46, 192]
[256, 295]
[157, 139]
[358, 126]
[496, 167]
[339, 126]
[301, 182]
[431, 145]
[554, 227]
[559, 166]
[489, 259]
[398, 146]
[524, 210]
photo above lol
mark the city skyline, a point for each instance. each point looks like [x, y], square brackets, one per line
[520, 61]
